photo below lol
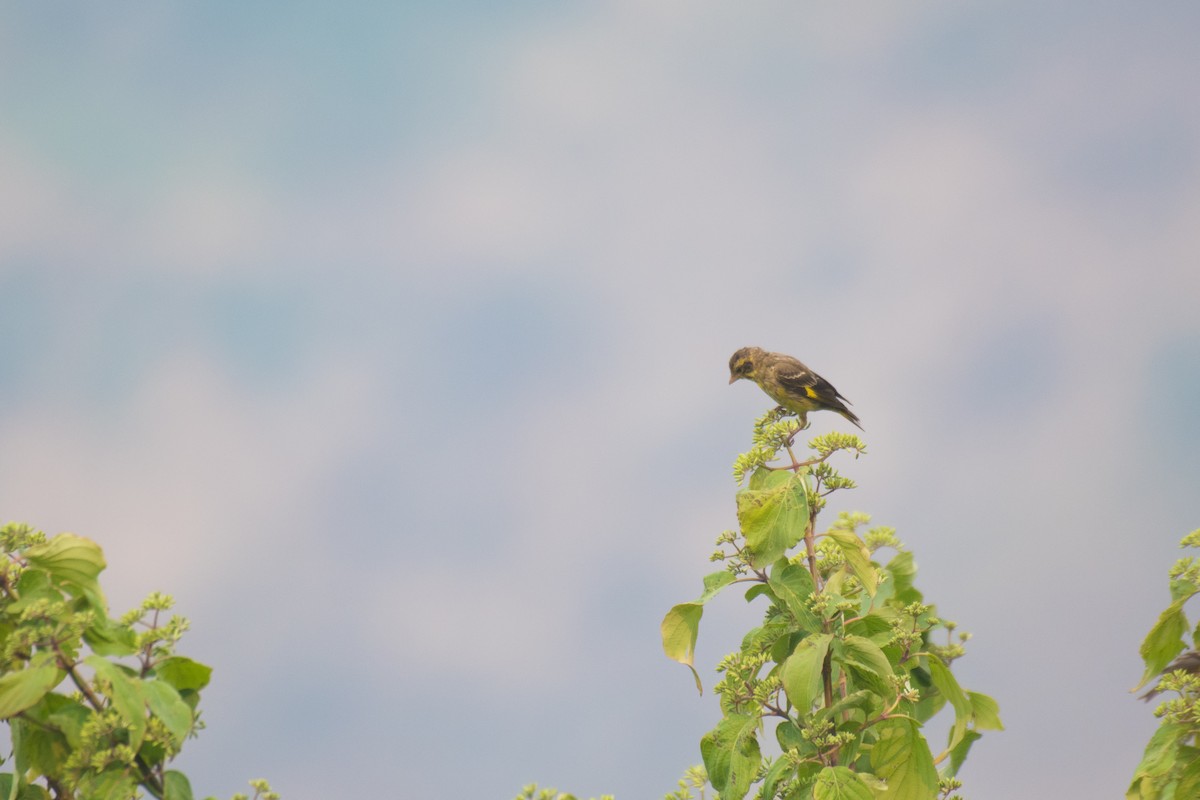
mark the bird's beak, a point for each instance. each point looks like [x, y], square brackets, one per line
[733, 378]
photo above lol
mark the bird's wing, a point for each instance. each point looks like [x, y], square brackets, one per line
[795, 377]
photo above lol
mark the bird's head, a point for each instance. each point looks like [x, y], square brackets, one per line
[744, 363]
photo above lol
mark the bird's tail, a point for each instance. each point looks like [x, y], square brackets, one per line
[848, 414]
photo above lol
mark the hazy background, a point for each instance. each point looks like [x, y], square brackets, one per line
[392, 339]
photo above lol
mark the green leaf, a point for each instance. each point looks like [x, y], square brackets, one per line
[901, 757]
[113, 782]
[762, 635]
[1164, 642]
[947, 684]
[1142, 789]
[20, 757]
[840, 783]
[790, 738]
[1159, 758]
[875, 626]
[864, 668]
[780, 769]
[33, 586]
[1163, 750]
[184, 673]
[1182, 590]
[40, 751]
[925, 709]
[176, 786]
[679, 630]
[958, 754]
[20, 792]
[169, 707]
[108, 637]
[862, 703]
[858, 558]
[792, 585]
[903, 570]
[714, 582]
[801, 673]
[1189, 778]
[731, 755]
[20, 690]
[783, 645]
[885, 592]
[67, 714]
[126, 695]
[756, 590]
[773, 514]
[73, 561]
[985, 711]
[868, 663]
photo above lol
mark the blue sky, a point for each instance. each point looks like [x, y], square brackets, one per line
[393, 340]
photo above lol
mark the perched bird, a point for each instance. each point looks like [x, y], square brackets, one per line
[1188, 661]
[788, 382]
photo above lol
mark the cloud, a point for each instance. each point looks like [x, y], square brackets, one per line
[174, 482]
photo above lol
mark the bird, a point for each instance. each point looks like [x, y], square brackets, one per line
[788, 382]
[1188, 661]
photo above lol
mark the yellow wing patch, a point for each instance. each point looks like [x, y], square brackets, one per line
[808, 390]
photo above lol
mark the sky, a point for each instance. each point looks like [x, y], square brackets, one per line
[392, 340]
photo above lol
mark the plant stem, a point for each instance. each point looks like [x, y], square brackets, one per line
[152, 782]
[810, 551]
[69, 666]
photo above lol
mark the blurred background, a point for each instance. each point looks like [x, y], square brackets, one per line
[392, 339]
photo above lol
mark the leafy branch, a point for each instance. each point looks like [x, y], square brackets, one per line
[846, 664]
[115, 733]
[1170, 767]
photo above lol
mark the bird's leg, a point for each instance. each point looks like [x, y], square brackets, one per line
[802, 418]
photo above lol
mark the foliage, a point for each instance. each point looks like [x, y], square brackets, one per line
[849, 662]
[532, 792]
[129, 702]
[1170, 766]
[695, 778]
